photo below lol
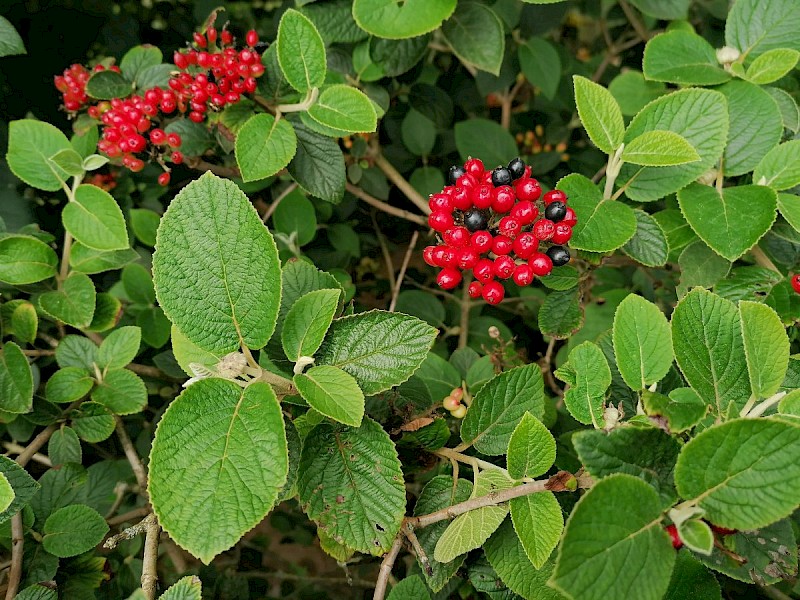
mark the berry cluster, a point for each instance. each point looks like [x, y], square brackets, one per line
[215, 74]
[72, 85]
[492, 224]
[453, 403]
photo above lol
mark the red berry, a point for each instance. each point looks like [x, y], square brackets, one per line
[570, 218]
[502, 245]
[474, 166]
[523, 275]
[196, 116]
[177, 157]
[427, 255]
[722, 530]
[483, 196]
[504, 266]
[544, 229]
[795, 280]
[439, 256]
[448, 278]
[527, 189]
[483, 270]
[461, 198]
[510, 227]
[211, 34]
[449, 257]
[174, 140]
[481, 241]
[456, 237]
[440, 202]
[673, 534]
[475, 288]
[525, 212]
[158, 137]
[163, 179]
[180, 60]
[525, 245]
[555, 196]
[467, 180]
[493, 292]
[251, 38]
[440, 221]
[226, 37]
[467, 258]
[199, 39]
[504, 199]
[562, 233]
[256, 70]
[541, 264]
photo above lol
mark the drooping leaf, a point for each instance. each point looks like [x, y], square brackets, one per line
[24, 486]
[10, 41]
[16, 380]
[318, 166]
[600, 114]
[649, 245]
[642, 342]
[541, 65]
[766, 347]
[539, 523]
[682, 409]
[307, 322]
[344, 108]
[531, 449]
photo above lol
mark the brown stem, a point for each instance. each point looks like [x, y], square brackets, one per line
[14, 448]
[387, 256]
[17, 547]
[148, 371]
[400, 276]
[396, 178]
[387, 208]
[198, 164]
[128, 516]
[763, 260]
[132, 456]
[150, 559]
[271, 209]
[635, 21]
[38, 353]
[507, 101]
[36, 444]
[418, 549]
[362, 583]
[386, 568]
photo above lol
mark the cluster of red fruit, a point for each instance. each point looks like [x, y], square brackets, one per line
[210, 77]
[213, 76]
[492, 224]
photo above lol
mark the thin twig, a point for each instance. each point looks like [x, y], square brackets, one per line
[128, 533]
[132, 456]
[396, 178]
[362, 583]
[150, 560]
[149, 371]
[271, 209]
[198, 164]
[507, 100]
[387, 208]
[65, 254]
[408, 530]
[36, 444]
[387, 256]
[17, 547]
[386, 568]
[38, 353]
[401, 275]
[763, 260]
[546, 365]
[635, 21]
[14, 448]
[128, 516]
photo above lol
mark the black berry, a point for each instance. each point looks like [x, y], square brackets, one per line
[454, 173]
[501, 176]
[517, 168]
[475, 220]
[555, 211]
[559, 255]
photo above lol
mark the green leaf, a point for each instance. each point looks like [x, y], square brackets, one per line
[195, 138]
[700, 265]
[708, 344]
[237, 442]
[186, 588]
[64, 446]
[755, 126]
[296, 215]
[766, 347]
[499, 406]
[388, 19]
[659, 149]
[378, 348]
[486, 140]
[138, 284]
[408, 588]
[649, 245]
[422, 305]
[333, 393]
[264, 146]
[88, 261]
[68, 385]
[107, 85]
[790, 113]
[318, 165]
[471, 529]
[699, 116]
[646, 453]
[697, 536]
[93, 422]
[789, 207]
[727, 221]
[629, 549]
[345, 108]
[301, 51]
[682, 409]
[632, 91]
[119, 348]
[682, 57]
[73, 304]
[307, 322]
[68, 161]
[754, 28]
[10, 42]
[507, 557]
[25, 322]
[155, 76]
[663, 9]
[73, 530]
[599, 113]
[144, 223]
[531, 448]
[122, 392]
[541, 65]
[603, 225]
[642, 342]
[539, 523]
[95, 219]
[477, 36]
[38, 591]
[139, 58]
[743, 473]
[350, 483]
[395, 57]
[588, 375]
[780, 168]
[24, 486]
[25, 260]
[216, 267]
[76, 351]
[690, 579]
[772, 65]
[31, 143]
[561, 315]
[418, 132]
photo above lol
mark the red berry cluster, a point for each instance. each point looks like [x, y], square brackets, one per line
[492, 223]
[215, 75]
[72, 85]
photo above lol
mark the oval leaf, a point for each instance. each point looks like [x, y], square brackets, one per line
[659, 149]
[73, 530]
[642, 342]
[95, 219]
[264, 146]
[307, 322]
[345, 108]
[388, 19]
[766, 347]
[25, 260]
[301, 51]
[333, 393]
[600, 114]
